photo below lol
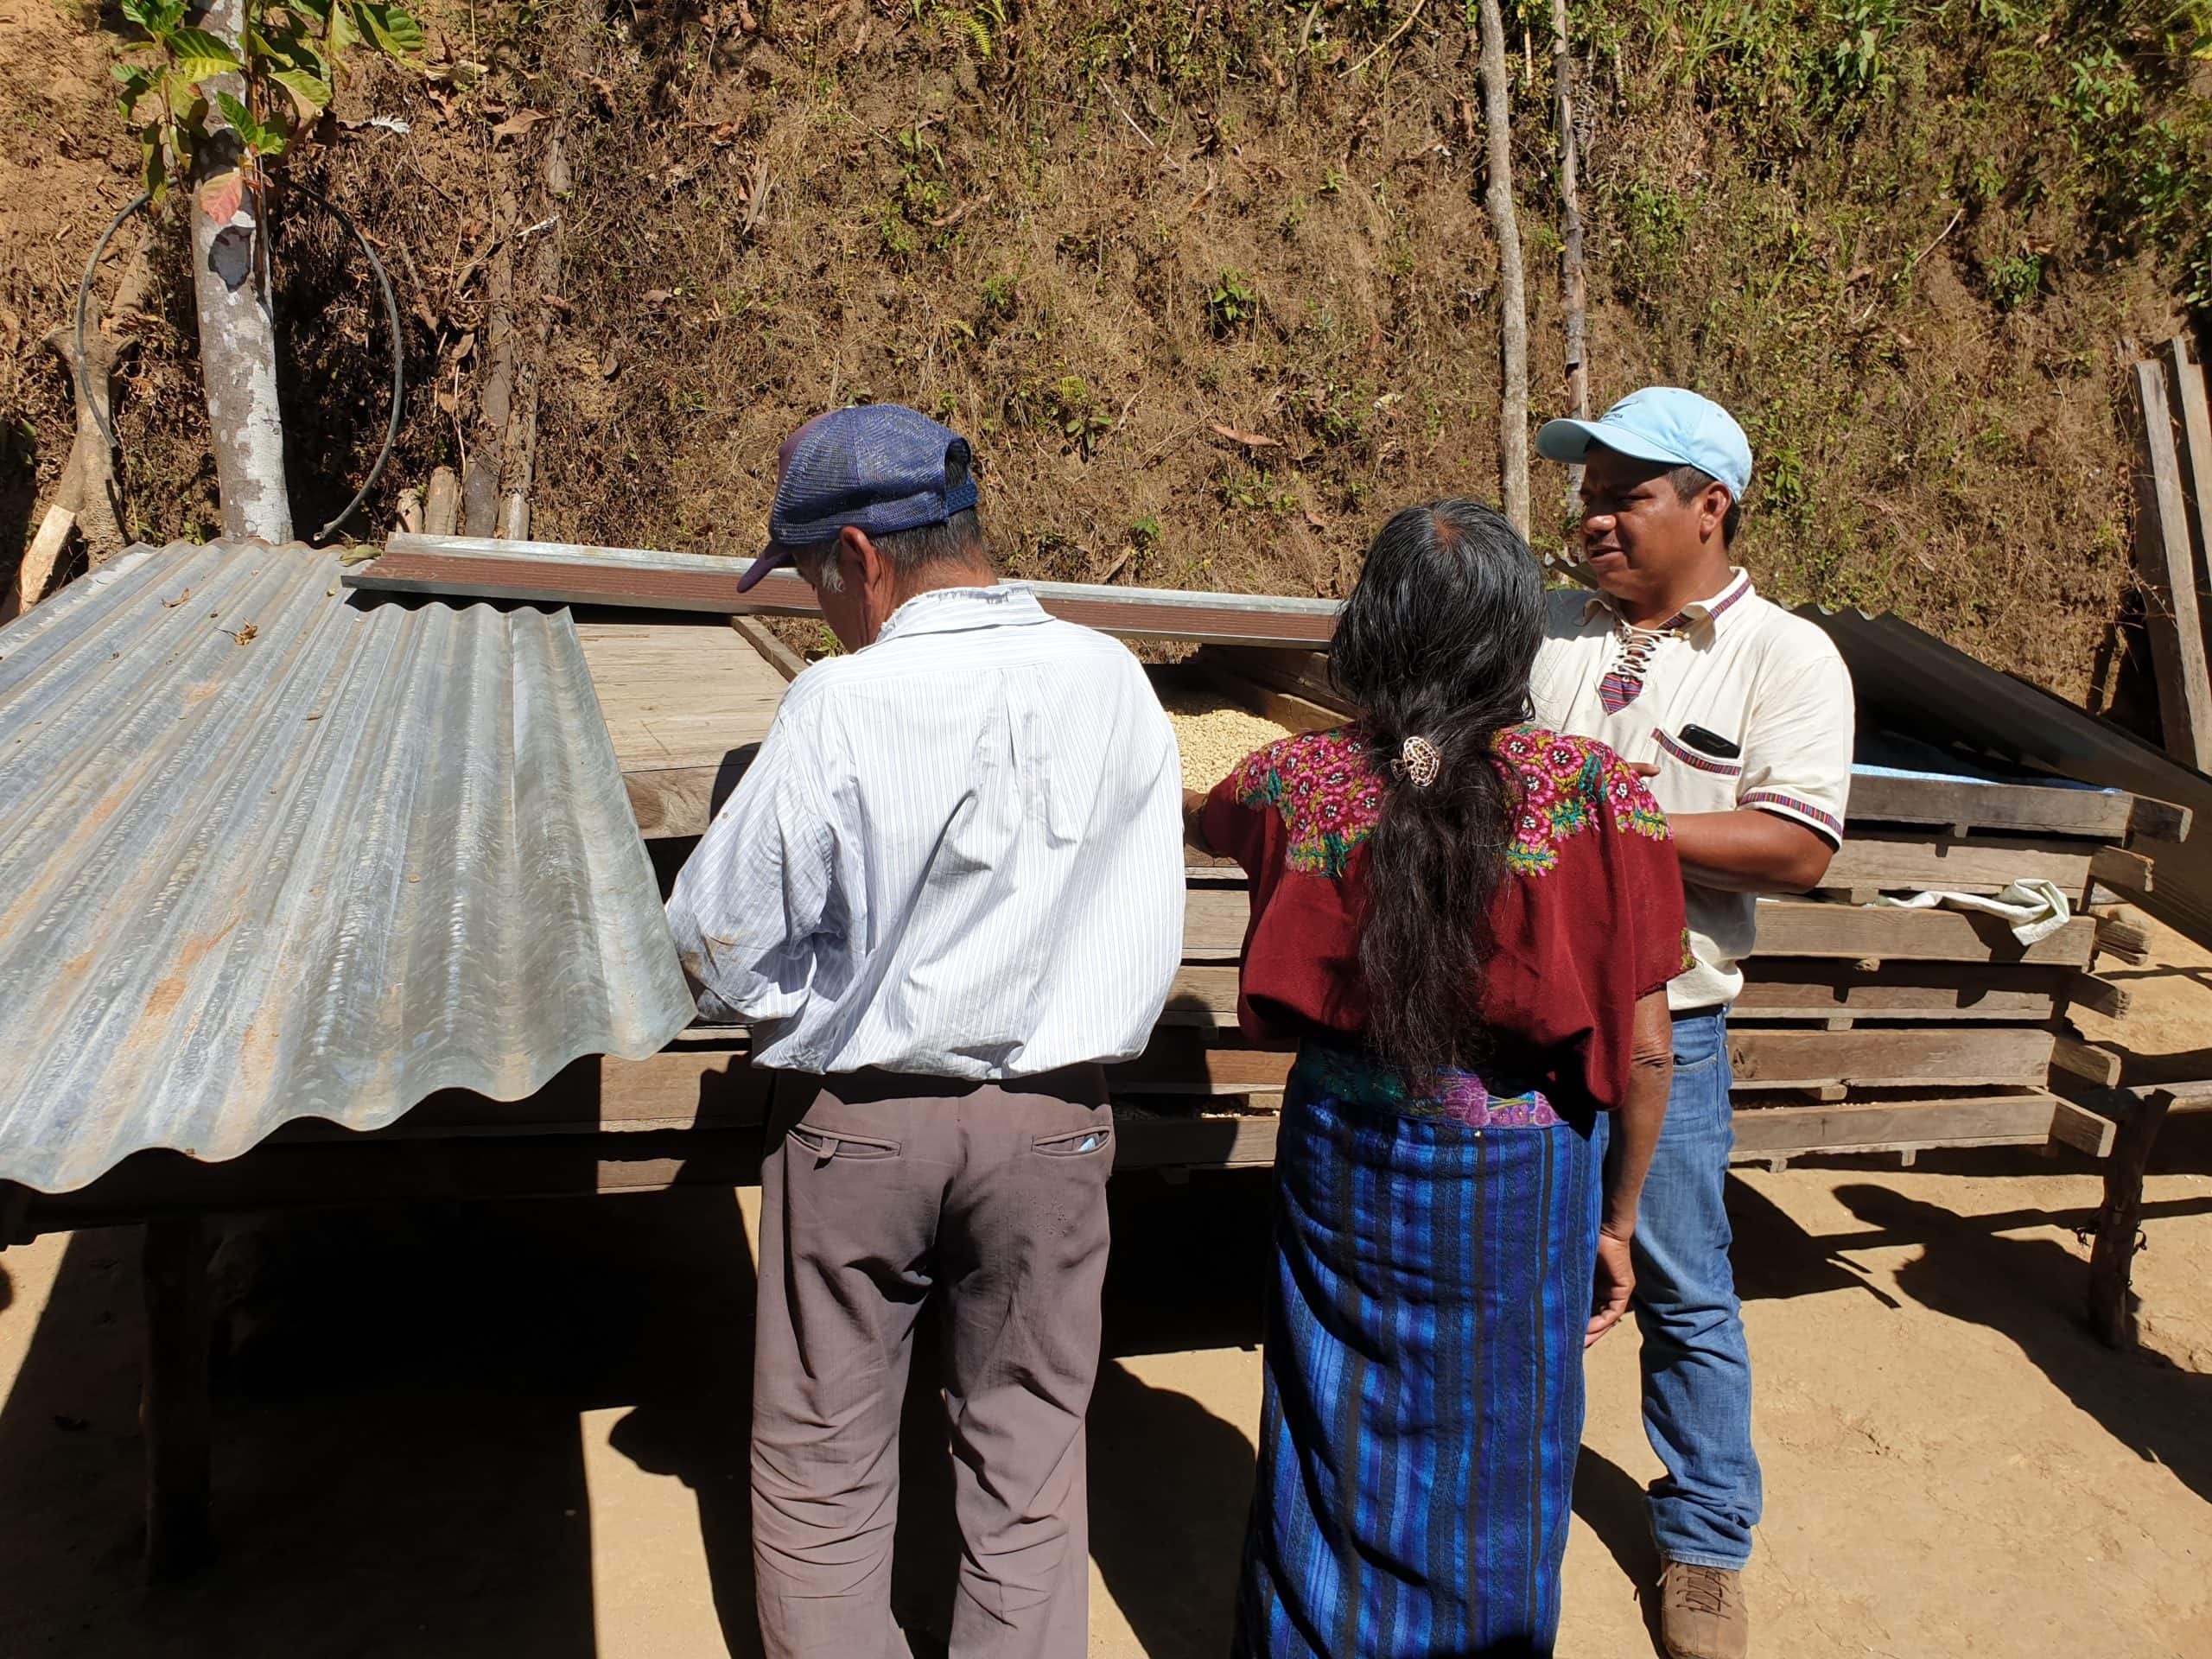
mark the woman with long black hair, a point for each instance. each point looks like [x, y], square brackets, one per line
[1468, 924]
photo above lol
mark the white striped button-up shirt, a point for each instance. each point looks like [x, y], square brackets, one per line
[958, 854]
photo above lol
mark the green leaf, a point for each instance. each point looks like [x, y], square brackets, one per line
[153, 168]
[310, 91]
[168, 16]
[137, 83]
[393, 29]
[240, 118]
[140, 12]
[199, 56]
[271, 137]
[344, 31]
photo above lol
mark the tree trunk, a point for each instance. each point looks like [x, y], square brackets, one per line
[1573, 291]
[237, 333]
[1513, 322]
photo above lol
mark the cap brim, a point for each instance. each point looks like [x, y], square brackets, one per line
[773, 559]
[1570, 441]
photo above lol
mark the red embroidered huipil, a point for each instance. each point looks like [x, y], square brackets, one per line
[1588, 918]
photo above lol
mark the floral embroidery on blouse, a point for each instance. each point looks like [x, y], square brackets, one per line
[1331, 799]
[1322, 786]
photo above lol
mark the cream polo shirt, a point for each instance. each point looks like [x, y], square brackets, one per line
[1744, 670]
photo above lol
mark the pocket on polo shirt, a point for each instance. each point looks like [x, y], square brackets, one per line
[1676, 749]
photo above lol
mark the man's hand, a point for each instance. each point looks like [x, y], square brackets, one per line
[1194, 819]
[1615, 1281]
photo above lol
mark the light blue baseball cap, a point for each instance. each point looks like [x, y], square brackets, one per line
[1664, 424]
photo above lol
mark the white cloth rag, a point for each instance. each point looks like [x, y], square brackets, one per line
[2034, 909]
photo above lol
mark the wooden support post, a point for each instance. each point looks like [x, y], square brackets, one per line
[2163, 556]
[175, 1415]
[2112, 1257]
[2185, 386]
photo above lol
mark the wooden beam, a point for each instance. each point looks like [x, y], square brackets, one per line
[1895, 859]
[2123, 931]
[2022, 808]
[2156, 820]
[2185, 387]
[2119, 1219]
[773, 652]
[2168, 568]
[2122, 870]
[1186, 1062]
[1796, 927]
[1871, 1057]
[2024, 1119]
[1799, 988]
[559, 573]
[177, 1416]
[2099, 996]
[2083, 1128]
[2095, 1065]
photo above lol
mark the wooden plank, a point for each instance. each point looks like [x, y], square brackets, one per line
[2093, 1065]
[1292, 712]
[1891, 859]
[2026, 809]
[2122, 870]
[2123, 931]
[1810, 988]
[2083, 1128]
[687, 702]
[2024, 1119]
[2168, 569]
[2156, 820]
[773, 652]
[2185, 390]
[2099, 996]
[1879, 1056]
[1215, 918]
[1798, 927]
[1149, 1141]
[1186, 1062]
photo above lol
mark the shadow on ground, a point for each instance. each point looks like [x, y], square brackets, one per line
[398, 1464]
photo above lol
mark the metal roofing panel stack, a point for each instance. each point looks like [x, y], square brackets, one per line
[268, 852]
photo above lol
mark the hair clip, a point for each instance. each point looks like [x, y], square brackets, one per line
[1418, 761]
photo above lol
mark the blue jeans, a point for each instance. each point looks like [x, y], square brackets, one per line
[1697, 1370]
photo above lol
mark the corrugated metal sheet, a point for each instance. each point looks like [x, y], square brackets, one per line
[561, 573]
[269, 851]
[1914, 681]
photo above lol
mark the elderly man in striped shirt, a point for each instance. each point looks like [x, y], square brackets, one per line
[947, 890]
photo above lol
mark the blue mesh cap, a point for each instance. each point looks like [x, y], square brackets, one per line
[879, 469]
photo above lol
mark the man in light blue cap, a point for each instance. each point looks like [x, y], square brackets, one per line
[1741, 714]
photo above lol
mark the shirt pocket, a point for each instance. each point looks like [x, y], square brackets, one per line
[1682, 755]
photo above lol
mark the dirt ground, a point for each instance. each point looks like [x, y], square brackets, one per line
[501, 1431]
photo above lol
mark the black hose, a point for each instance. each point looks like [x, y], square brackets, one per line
[398, 356]
[392, 321]
[84, 298]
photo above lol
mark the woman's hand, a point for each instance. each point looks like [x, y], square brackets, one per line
[1615, 1279]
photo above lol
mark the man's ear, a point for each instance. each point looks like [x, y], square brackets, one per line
[856, 557]
[1712, 509]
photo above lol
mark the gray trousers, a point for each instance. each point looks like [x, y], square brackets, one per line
[880, 1193]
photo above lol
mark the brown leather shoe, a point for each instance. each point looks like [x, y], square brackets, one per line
[1702, 1613]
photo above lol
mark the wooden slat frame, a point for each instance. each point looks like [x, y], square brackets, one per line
[2168, 567]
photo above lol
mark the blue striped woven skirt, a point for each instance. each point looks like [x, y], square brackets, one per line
[1424, 1369]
